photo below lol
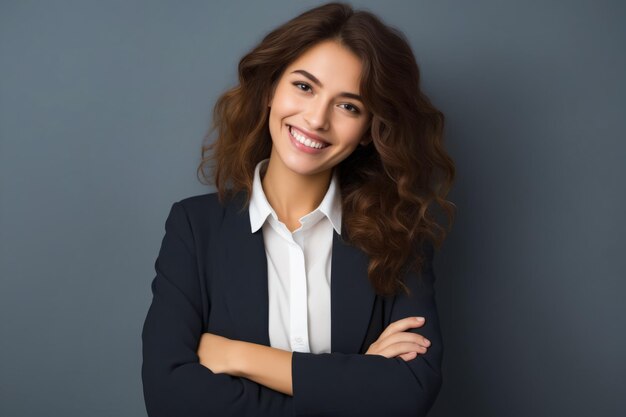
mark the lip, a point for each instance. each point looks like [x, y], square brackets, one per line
[310, 135]
[303, 148]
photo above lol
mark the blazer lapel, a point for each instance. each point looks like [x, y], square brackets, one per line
[351, 296]
[243, 267]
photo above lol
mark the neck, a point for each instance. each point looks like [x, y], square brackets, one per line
[290, 194]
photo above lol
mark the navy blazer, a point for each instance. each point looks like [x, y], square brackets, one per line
[211, 276]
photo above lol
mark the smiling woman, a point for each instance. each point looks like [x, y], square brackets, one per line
[314, 129]
[298, 287]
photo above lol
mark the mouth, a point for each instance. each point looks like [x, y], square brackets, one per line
[305, 140]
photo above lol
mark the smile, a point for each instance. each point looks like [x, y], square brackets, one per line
[305, 140]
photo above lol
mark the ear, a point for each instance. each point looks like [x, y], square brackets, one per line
[367, 135]
[367, 139]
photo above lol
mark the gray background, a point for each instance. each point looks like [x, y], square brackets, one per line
[103, 106]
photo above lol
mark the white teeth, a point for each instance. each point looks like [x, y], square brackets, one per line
[306, 141]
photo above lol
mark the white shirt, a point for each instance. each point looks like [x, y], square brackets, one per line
[298, 267]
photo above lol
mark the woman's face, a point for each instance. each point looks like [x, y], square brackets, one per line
[309, 97]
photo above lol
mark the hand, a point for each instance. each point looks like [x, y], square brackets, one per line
[215, 352]
[394, 341]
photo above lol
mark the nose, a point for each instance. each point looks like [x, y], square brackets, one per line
[316, 115]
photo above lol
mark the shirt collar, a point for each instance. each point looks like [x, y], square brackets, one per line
[260, 208]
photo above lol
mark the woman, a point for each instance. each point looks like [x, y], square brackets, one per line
[327, 163]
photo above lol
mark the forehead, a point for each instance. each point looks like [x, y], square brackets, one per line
[332, 63]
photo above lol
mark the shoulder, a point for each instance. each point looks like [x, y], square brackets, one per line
[205, 210]
[194, 218]
[200, 203]
[200, 210]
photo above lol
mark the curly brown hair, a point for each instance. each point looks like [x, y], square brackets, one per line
[388, 187]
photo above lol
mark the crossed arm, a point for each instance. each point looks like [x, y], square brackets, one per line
[262, 364]
[274, 382]
[271, 367]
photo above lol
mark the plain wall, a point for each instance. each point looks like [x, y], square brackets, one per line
[103, 106]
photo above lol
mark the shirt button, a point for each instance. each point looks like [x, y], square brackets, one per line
[299, 339]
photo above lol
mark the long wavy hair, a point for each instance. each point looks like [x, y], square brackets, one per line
[391, 187]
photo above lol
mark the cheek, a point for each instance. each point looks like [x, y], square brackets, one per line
[285, 101]
[353, 134]
[290, 105]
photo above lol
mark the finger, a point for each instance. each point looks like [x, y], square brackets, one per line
[412, 347]
[415, 338]
[402, 348]
[404, 337]
[418, 339]
[403, 324]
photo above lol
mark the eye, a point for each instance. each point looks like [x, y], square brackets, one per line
[297, 84]
[355, 111]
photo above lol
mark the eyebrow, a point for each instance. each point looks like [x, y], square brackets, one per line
[319, 83]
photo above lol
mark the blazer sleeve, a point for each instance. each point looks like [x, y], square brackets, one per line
[174, 382]
[346, 384]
